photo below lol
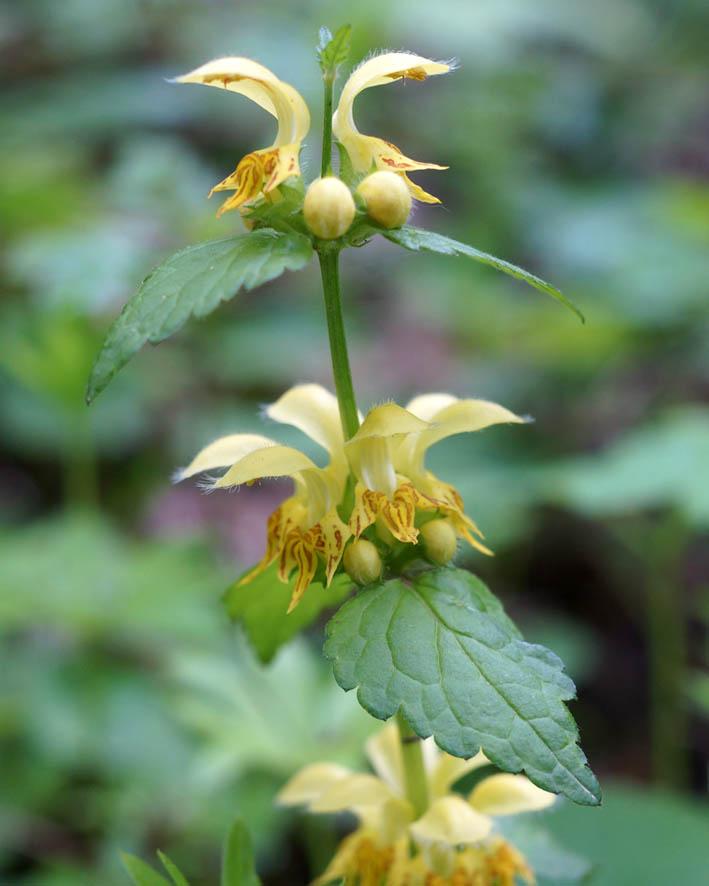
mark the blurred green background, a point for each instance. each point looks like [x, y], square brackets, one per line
[131, 713]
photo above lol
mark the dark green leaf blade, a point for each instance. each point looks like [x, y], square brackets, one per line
[141, 873]
[333, 50]
[172, 869]
[238, 858]
[417, 240]
[193, 282]
[261, 607]
[441, 648]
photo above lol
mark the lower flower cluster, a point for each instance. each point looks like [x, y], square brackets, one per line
[360, 861]
[375, 484]
[452, 842]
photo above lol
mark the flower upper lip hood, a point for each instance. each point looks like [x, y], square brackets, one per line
[366, 151]
[261, 171]
[385, 460]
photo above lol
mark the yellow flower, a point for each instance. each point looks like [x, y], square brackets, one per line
[454, 835]
[366, 151]
[260, 172]
[385, 460]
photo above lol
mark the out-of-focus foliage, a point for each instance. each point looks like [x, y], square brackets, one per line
[131, 717]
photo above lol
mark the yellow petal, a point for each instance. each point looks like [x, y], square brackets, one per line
[457, 417]
[300, 554]
[271, 461]
[449, 769]
[369, 449]
[370, 460]
[388, 420]
[329, 537]
[417, 192]
[240, 75]
[224, 452]
[261, 85]
[385, 68]
[384, 753]
[355, 790]
[314, 411]
[452, 821]
[507, 794]
[310, 783]
[289, 516]
[399, 514]
[425, 406]
[300, 111]
[465, 415]
[367, 506]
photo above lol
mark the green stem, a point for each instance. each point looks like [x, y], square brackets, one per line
[80, 479]
[414, 771]
[667, 655]
[330, 274]
[326, 166]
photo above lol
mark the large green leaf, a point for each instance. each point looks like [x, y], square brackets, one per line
[238, 858]
[261, 607]
[193, 282]
[418, 240]
[672, 831]
[664, 463]
[441, 648]
[141, 873]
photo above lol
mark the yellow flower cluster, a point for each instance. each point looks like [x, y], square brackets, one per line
[377, 478]
[454, 839]
[259, 173]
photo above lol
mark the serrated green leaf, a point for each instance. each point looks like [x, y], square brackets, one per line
[172, 869]
[417, 240]
[261, 607]
[546, 857]
[441, 648]
[141, 873]
[238, 858]
[193, 282]
[333, 50]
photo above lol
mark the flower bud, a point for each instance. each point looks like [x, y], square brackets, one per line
[362, 561]
[328, 208]
[439, 539]
[387, 197]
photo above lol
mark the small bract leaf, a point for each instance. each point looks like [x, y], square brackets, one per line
[172, 869]
[332, 51]
[324, 37]
[417, 240]
[261, 607]
[193, 282]
[238, 858]
[441, 648]
[141, 873]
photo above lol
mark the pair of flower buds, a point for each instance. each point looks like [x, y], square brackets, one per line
[329, 206]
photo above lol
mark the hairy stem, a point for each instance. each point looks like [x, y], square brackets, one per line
[326, 166]
[330, 274]
[414, 772]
